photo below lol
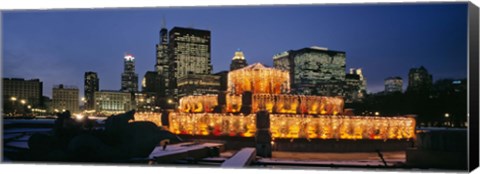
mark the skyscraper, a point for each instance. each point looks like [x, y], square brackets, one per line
[363, 79]
[91, 85]
[238, 61]
[152, 83]
[419, 80]
[355, 88]
[162, 62]
[129, 77]
[189, 60]
[393, 84]
[314, 70]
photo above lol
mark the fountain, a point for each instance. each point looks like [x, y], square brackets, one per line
[291, 116]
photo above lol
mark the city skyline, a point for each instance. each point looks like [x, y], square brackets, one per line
[383, 40]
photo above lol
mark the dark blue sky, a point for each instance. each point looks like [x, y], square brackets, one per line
[59, 46]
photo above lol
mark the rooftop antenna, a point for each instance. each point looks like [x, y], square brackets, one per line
[164, 22]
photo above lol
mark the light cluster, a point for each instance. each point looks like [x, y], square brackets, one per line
[295, 126]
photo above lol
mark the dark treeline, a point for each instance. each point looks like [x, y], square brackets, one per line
[442, 104]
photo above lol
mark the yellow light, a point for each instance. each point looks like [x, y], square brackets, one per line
[13, 98]
[291, 126]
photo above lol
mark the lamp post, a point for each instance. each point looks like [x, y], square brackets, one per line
[23, 102]
[13, 99]
[447, 115]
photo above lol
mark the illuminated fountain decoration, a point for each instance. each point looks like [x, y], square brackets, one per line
[258, 79]
[198, 104]
[148, 116]
[295, 126]
[291, 116]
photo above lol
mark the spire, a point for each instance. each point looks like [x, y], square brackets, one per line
[164, 22]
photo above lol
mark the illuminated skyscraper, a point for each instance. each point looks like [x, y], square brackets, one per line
[238, 61]
[355, 88]
[91, 85]
[189, 61]
[314, 70]
[393, 84]
[162, 62]
[129, 77]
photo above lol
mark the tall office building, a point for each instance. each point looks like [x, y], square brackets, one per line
[393, 84]
[238, 61]
[17, 89]
[129, 77]
[152, 83]
[91, 85]
[162, 62]
[363, 79]
[189, 60]
[65, 98]
[314, 70]
[355, 88]
[419, 80]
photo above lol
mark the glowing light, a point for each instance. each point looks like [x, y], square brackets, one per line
[148, 116]
[295, 126]
[13, 98]
[258, 79]
[23, 101]
[129, 57]
[238, 55]
[79, 116]
[447, 115]
[198, 104]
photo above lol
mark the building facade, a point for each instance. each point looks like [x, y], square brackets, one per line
[314, 70]
[223, 80]
[419, 80]
[17, 89]
[355, 86]
[153, 83]
[189, 56]
[65, 98]
[146, 102]
[91, 85]
[129, 77]
[198, 84]
[238, 61]
[393, 84]
[162, 63]
[109, 102]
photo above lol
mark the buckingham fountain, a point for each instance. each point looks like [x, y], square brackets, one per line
[258, 105]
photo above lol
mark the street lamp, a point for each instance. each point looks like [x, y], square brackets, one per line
[447, 123]
[13, 99]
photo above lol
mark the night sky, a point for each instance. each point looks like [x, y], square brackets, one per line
[59, 46]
